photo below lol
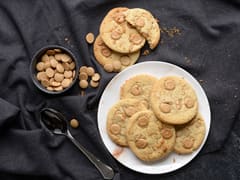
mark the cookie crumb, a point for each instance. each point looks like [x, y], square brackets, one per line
[146, 52]
[171, 32]
[174, 160]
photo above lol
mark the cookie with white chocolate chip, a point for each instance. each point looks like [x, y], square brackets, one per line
[173, 100]
[111, 60]
[138, 87]
[118, 117]
[118, 35]
[190, 136]
[145, 23]
[148, 138]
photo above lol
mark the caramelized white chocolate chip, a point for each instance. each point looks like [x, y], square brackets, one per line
[90, 38]
[53, 62]
[42, 75]
[40, 66]
[57, 50]
[141, 143]
[125, 60]
[66, 82]
[66, 66]
[45, 58]
[94, 84]
[55, 83]
[50, 88]
[165, 107]
[169, 84]
[140, 22]
[50, 72]
[66, 58]
[136, 90]
[68, 74]
[83, 76]
[129, 110]
[90, 71]
[83, 69]
[115, 35]
[188, 143]
[136, 39]
[58, 57]
[59, 88]
[116, 66]
[45, 82]
[47, 64]
[119, 18]
[106, 52]
[58, 77]
[72, 65]
[96, 77]
[74, 123]
[60, 68]
[83, 84]
[108, 67]
[143, 121]
[189, 102]
[115, 129]
[166, 133]
[50, 52]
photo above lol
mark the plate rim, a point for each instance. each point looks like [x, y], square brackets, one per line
[188, 76]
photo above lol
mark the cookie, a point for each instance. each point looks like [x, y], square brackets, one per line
[138, 87]
[190, 136]
[145, 23]
[118, 117]
[118, 35]
[173, 100]
[105, 56]
[148, 138]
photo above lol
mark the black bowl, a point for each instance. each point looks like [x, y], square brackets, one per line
[37, 57]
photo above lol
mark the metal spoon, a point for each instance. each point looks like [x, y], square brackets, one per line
[57, 124]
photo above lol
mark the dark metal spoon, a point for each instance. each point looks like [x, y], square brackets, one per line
[56, 123]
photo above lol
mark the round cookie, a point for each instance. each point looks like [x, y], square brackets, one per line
[138, 87]
[118, 35]
[105, 55]
[149, 138]
[145, 23]
[173, 100]
[118, 117]
[190, 136]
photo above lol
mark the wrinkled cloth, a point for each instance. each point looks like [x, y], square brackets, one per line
[206, 45]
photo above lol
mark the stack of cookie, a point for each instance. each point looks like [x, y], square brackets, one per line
[156, 116]
[123, 32]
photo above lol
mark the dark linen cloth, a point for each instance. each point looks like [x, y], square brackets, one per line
[207, 47]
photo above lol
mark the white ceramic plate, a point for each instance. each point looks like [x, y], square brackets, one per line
[111, 95]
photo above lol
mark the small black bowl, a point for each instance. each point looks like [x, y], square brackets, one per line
[37, 57]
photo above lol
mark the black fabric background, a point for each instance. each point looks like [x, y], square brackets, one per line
[208, 47]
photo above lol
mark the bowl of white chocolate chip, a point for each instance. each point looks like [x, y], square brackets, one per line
[54, 69]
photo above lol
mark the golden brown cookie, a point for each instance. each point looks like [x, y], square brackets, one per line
[105, 56]
[145, 23]
[190, 136]
[118, 35]
[149, 138]
[138, 87]
[118, 117]
[173, 100]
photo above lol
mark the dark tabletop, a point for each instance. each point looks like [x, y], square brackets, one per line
[200, 36]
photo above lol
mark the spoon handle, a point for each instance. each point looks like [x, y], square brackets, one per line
[106, 171]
